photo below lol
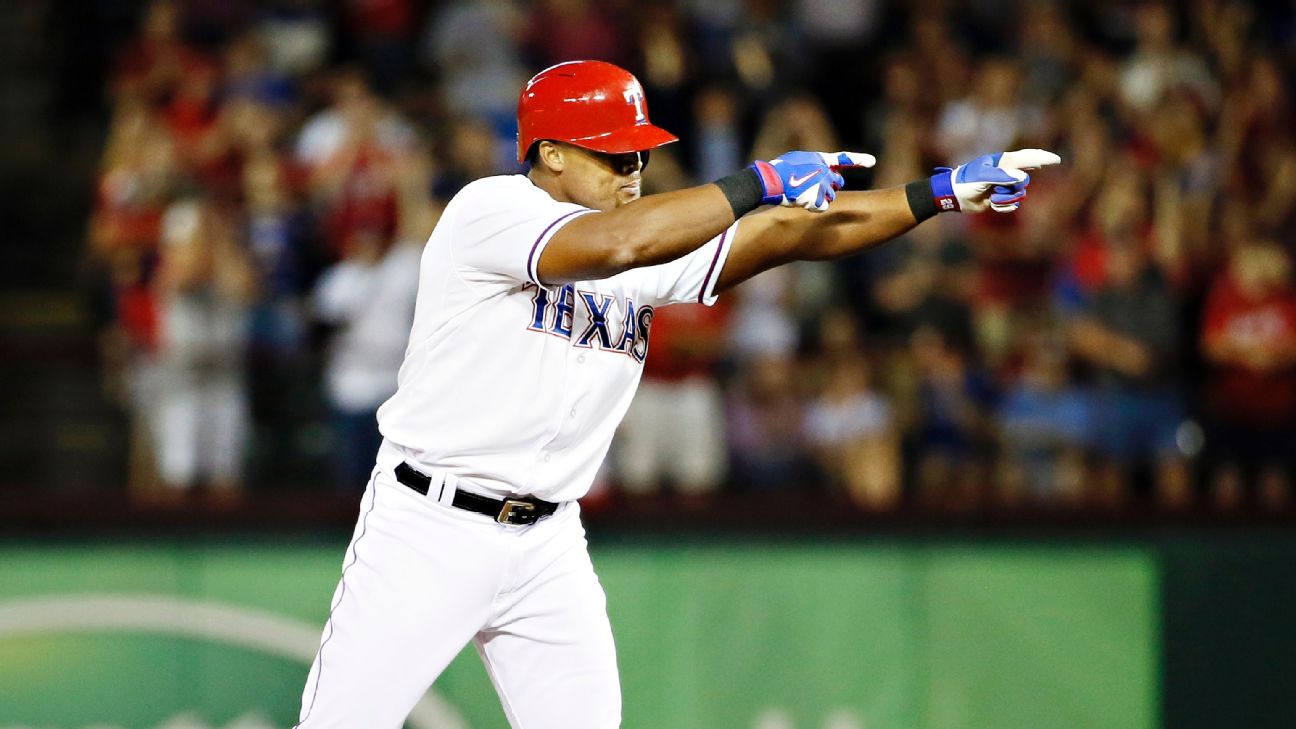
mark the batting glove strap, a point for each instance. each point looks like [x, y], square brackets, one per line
[942, 191]
[771, 182]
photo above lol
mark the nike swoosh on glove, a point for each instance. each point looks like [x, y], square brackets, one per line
[806, 179]
[994, 181]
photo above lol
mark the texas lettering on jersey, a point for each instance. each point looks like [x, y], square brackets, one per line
[597, 321]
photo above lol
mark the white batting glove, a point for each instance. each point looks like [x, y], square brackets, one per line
[994, 181]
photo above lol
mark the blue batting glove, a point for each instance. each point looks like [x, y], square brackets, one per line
[806, 179]
[994, 181]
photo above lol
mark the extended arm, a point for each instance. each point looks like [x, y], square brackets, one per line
[651, 230]
[661, 228]
[858, 221]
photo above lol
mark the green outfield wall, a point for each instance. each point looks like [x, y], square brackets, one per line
[190, 634]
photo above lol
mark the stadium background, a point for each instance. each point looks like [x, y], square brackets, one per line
[1008, 471]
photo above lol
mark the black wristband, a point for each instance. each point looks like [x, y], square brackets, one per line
[744, 191]
[921, 200]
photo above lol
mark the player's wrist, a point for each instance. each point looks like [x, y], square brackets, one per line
[922, 203]
[932, 195]
[744, 190]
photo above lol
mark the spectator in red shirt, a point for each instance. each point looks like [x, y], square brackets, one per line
[154, 65]
[1249, 338]
[203, 132]
[674, 430]
[350, 157]
[191, 112]
[365, 207]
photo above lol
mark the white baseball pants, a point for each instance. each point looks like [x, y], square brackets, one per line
[421, 579]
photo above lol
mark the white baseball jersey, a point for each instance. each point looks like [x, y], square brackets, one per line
[513, 386]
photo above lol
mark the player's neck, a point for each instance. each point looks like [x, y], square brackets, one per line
[548, 183]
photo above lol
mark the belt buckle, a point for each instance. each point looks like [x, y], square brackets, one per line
[521, 510]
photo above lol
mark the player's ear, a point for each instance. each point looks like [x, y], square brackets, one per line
[551, 156]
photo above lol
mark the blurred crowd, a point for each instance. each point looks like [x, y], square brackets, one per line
[1127, 339]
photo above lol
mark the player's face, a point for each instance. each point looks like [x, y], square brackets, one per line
[605, 181]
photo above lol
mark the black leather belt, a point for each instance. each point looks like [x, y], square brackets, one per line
[519, 512]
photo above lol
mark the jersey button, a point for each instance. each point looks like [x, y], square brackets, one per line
[580, 359]
[573, 412]
[547, 457]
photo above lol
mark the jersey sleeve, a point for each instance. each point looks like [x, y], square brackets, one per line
[501, 226]
[690, 278]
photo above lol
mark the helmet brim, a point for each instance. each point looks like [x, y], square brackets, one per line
[637, 138]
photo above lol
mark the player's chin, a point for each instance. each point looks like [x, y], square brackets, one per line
[627, 194]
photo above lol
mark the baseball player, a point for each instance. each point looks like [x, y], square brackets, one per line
[535, 306]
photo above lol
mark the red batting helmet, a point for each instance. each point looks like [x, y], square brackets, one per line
[590, 104]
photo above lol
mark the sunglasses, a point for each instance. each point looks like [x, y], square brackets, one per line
[624, 163]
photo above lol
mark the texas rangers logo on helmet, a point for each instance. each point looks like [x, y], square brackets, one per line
[635, 95]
